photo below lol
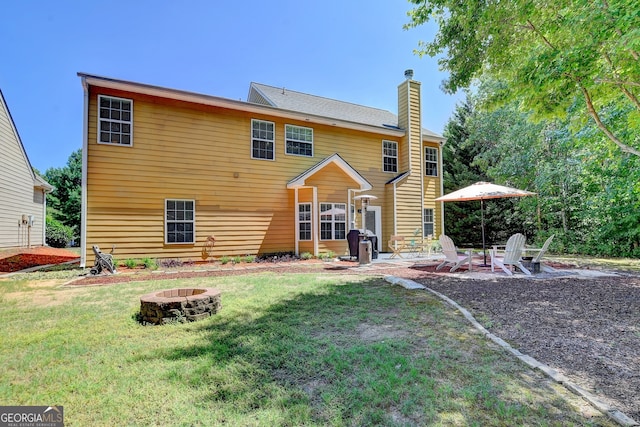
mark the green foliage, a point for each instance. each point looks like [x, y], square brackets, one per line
[58, 235]
[149, 263]
[579, 59]
[588, 196]
[64, 203]
[225, 260]
[327, 256]
[130, 263]
[250, 259]
[236, 259]
[306, 255]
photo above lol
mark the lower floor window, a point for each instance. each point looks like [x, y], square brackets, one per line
[428, 222]
[304, 221]
[179, 221]
[333, 221]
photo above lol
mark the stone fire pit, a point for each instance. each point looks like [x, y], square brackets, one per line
[189, 304]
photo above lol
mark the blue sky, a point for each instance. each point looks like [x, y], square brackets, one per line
[354, 51]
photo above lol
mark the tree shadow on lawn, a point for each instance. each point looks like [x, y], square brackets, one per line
[362, 353]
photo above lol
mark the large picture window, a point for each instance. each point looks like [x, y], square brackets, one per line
[299, 140]
[179, 221]
[262, 140]
[333, 221]
[428, 225]
[304, 221]
[390, 156]
[430, 161]
[115, 120]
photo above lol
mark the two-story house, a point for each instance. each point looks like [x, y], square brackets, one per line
[164, 170]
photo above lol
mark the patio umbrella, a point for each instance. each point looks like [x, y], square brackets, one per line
[482, 191]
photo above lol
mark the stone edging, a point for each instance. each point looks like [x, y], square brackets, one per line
[613, 413]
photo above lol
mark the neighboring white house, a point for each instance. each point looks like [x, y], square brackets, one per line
[22, 192]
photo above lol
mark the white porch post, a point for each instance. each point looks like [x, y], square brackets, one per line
[316, 218]
[297, 222]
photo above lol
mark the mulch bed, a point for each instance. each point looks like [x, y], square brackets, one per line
[21, 259]
[587, 329]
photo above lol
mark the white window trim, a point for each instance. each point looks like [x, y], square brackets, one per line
[121, 121]
[304, 142]
[251, 140]
[431, 161]
[166, 234]
[383, 155]
[310, 222]
[424, 221]
[333, 222]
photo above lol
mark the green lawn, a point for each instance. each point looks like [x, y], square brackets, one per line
[298, 349]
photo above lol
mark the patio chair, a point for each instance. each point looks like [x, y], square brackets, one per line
[541, 252]
[396, 244]
[426, 247]
[512, 255]
[452, 254]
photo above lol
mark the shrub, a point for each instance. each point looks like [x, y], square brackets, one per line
[130, 263]
[58, 235]
[236, 259]
[306, 255]
[249, 259]
[225, 260]
[149, 263]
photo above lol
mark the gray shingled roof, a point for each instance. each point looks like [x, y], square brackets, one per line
[325, 107]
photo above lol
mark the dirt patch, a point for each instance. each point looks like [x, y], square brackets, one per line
[373, 333]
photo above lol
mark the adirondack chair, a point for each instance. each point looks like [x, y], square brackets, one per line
[452, 255]
[541, 252]
[512, 255]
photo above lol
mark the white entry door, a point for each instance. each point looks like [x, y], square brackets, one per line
[374, 222]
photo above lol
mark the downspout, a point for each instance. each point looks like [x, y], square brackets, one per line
[297, 222]
[315, 209]
[441, 187]
[83, 206]
[44, 218]
[395, 210]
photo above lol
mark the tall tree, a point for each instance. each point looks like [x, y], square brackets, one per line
[556, 56]
[462, 220]
[65, 201]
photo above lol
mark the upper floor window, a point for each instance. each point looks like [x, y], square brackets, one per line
[304, 220]
[389, 156]
[333, 221]
[299, 140]
[430, 161]
[115, 120]
[180, 221]
[262, 139]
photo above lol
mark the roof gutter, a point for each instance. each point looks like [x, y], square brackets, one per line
[215, 101]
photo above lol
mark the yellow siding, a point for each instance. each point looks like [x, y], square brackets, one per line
[190, 151]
